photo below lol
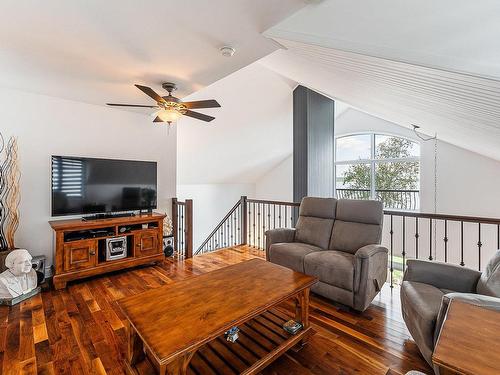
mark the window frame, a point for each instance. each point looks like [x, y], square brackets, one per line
[373, 161]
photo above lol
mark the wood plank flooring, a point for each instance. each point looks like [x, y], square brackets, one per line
[80, 330]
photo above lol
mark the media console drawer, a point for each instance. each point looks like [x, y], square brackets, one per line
[146, 243]
[80, 254]
[76, 257]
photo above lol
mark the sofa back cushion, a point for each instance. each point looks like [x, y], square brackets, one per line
[358, 223]
[489, 282]
[316, 217]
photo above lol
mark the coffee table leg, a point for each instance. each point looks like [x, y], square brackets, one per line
[135, 350]
[178, 366]
[302, 311]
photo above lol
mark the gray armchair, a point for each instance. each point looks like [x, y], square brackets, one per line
[428, 288]
[338, 242]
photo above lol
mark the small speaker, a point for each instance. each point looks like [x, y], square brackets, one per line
[168, 246]
[38, 264]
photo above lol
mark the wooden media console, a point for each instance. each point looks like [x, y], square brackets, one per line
[80, 246]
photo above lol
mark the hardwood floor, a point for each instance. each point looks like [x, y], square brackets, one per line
[80, 330]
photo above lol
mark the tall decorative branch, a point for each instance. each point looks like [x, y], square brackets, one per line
[3, 214]
[12, 200]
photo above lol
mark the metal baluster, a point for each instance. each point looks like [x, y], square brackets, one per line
[291, 217]
[236, 233]
[258, 225]
[253, 225]
[392, 256]
[268, 216]
[430, 239]
[250, 238]
[479, 245]
[416, 237]
[274, 216]
[462, 244]
[279, 216]
[230, 229]
[404, 243]
[445, 241]
[264, 224]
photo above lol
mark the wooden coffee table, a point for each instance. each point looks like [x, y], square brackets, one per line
[172, 322]
[468, 343]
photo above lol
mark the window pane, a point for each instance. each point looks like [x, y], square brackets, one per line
[352, 181]
[353, 147]
[387, 147]
[397, 184]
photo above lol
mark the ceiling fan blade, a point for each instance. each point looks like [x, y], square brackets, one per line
[199, 116]
[158, 119]
[151, 93]
[202, 104]
[132, 105]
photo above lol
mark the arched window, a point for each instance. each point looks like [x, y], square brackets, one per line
[378, 166]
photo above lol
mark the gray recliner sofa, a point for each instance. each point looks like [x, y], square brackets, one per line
[429, 287]
[337, 241]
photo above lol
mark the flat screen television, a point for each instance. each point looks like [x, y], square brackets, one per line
[92, 186]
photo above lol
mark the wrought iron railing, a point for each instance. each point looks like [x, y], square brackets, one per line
[462, 240]
[392, 199]
[182, 222]
[230, 231]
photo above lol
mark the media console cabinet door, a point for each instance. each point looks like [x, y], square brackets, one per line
[147, 243]
[80, 254]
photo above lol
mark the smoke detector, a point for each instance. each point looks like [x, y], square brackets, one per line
[227, 51]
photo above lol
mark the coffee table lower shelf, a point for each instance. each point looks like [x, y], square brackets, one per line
[261, 341]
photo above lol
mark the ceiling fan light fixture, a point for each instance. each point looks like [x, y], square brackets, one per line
[169, 115]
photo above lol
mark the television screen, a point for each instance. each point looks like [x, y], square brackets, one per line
[91, 186]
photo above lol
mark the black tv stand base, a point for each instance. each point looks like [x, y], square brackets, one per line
[107, 216]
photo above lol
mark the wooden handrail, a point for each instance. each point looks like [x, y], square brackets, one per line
[468, 219]
[282, 203]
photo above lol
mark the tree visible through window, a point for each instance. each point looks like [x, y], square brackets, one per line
[375, 166]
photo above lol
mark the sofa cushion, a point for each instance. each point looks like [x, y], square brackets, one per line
[318, 207]
[489, 282]
[420, 307]
[358, 223]
[290, 255]
[350, 236]
[360, 211]
[314, 231]
[331, 267]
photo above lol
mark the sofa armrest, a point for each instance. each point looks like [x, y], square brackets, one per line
[370, 250]
[442, 275]
[370, 274]
[480, 300]
[278, 235]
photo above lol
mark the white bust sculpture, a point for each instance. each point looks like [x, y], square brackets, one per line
[20, 278]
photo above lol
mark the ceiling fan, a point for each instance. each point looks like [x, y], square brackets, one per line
[171, 108]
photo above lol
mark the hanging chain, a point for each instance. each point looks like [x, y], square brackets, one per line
[435, 191]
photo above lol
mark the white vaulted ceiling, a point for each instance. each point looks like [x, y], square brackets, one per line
[463, 110]
[93, 51]
[433, 64]
[453, 35]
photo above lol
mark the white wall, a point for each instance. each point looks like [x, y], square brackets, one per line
[48, 126]
[277, 184]
[211, 202]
